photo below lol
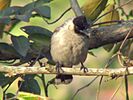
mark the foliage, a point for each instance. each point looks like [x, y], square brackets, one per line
[35, 45]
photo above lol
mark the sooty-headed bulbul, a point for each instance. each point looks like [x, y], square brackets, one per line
[69, 46]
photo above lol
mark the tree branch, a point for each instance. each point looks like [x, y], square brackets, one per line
[12, 71]
[110, 34]
[100, 36]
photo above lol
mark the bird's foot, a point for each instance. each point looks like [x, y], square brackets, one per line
[58, 68]
[85, 69]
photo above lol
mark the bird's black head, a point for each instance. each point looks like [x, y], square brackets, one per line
[80, 24]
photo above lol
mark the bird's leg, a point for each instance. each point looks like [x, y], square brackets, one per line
[84, 68]
[58, 67]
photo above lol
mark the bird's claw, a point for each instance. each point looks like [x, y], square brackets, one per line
[59, 69]
[85, 69]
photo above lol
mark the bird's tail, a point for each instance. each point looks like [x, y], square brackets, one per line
[61, 79]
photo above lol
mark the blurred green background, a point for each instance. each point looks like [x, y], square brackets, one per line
[65, 92]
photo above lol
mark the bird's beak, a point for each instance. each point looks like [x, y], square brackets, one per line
[86, 32]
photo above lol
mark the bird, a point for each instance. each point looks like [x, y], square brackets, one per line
[69, 46]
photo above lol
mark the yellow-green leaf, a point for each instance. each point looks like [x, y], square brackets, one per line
[92, 8]
[114, 15]
[30, 96]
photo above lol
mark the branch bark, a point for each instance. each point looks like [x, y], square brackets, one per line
[100, 36]
[110, 34]
[12, 71]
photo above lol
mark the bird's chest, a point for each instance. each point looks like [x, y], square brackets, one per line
[69, 47]
[69, 40]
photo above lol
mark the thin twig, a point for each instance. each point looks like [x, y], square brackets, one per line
[110, 60]
[58, 17]
[112, 97]
[126, 77]
[76, 8]
[99, 87]
[101, 23]
[113, 10]
[36, 59]
[84, 87]
[119, 57]
[118, 54]
[123, 12]
[100, 82]
[126, 87]
[120, 62]
[16, 94]
[125, 39]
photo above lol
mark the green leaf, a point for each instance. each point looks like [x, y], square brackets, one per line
[34, 5]
[116, 48]
[46, 1]
[28, 77]
[93, 8]
[30, 85]
[30, 96]
[10, 11]
[5, 80]
[108, 47]
[40, 2]
[30, 30]
[26, 12]
[127, 48]
[91, 53]
[21, 44]
[8, 49]
[5, 14]
[9, 95]
[39, 35]
[25, 17]
[131, 13]
[43, 11]
[114, 15]
[40, 39]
